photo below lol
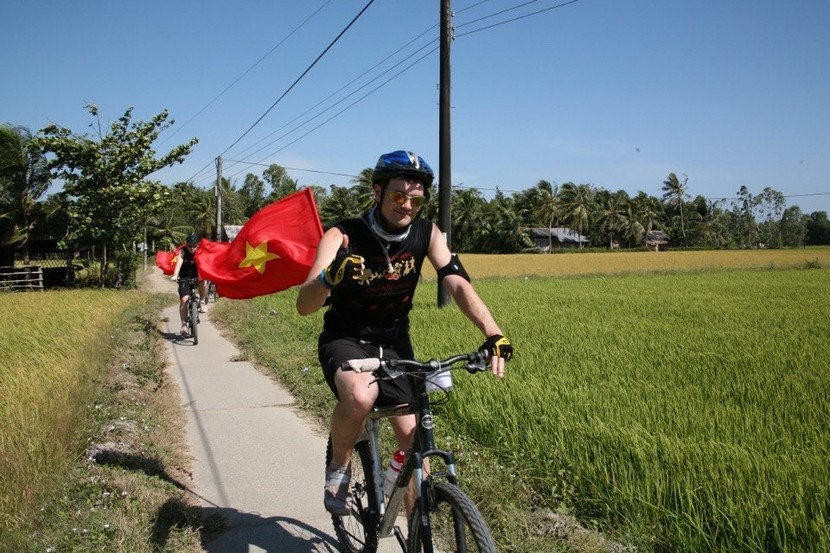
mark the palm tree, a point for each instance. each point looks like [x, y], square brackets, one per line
[363, 190]
[648, 210]
[613, 214]
[577, 201]
[467, 212]
[633, 229]
[549, 206]
[673, 193]
[24, 178]
[341, 203]
[201, 212]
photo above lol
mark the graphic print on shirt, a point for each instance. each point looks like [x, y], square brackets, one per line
[380, 281]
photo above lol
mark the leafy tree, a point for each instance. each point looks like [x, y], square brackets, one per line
[281, 184]
[769, 208]
[793, 227]
[252, 194]
[818, 228]
[24, 178]
[105, 179]
[744, 219]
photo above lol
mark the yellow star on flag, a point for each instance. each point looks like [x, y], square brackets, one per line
[257, 257]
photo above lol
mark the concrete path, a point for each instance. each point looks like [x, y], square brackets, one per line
[255, 460]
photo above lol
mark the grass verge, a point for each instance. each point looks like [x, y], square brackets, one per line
[118, 481]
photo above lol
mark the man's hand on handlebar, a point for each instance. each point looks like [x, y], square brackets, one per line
[500, 351]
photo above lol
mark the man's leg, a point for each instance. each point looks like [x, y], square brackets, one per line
[202, 296]
[404, 429]
[356, 399]
[183, 313]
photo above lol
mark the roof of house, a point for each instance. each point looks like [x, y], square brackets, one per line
[563, 234]
[657, 237]
[231, 231]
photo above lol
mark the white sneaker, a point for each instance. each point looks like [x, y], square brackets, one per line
[336, 493]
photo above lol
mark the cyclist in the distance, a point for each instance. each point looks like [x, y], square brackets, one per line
[186, 268]
[370, 267]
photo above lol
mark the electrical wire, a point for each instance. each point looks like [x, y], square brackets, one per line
[244, 73]
[500, 23]
[365, 73]
[323, 53]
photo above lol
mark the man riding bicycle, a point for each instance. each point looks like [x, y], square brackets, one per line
[369, 267]
[185, 270]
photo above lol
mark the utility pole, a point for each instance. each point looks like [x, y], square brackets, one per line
[218, 194]
[444, 142]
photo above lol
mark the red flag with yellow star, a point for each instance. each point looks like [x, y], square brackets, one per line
[273, 251]
[166, 261]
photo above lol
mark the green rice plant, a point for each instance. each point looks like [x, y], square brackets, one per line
[51, 343]
[676, 410]
[687, 411]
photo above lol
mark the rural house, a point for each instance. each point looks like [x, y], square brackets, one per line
[557, 237]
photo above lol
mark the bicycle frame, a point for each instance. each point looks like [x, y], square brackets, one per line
[437, 497]
[423, 447]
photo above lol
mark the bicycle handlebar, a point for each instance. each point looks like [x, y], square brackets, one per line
[475, 362]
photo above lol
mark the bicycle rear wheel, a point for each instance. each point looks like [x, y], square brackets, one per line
[454, 522]
[357, 531]
[194, 321]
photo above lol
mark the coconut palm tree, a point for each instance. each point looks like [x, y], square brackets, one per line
[612, 214]
[577, 201]
[673, 194]
[549, 207]
[468, 206]
[24, 178]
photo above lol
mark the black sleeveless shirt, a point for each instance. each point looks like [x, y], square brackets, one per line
[376, 306]
[188, 268]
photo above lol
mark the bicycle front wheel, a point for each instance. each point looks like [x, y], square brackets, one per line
[357, 531]
[452, 523]
[194, 321]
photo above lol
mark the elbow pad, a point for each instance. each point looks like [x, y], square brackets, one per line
[454, 267]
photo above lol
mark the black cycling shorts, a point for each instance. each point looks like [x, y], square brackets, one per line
[334, 349]
[184, 287]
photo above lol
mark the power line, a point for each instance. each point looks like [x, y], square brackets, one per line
[298, 169]
[333, 42]
[260, 60]
[378, 64]
[509, 20]
[362, 75]
[341, 89]
[360, 99]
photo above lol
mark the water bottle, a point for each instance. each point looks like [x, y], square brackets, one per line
[439, 382]
[393, 471]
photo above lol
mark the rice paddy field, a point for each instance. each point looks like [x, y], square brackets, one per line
[677, 401]
[51, 345]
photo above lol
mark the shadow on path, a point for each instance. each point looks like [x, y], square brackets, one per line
[274, 534]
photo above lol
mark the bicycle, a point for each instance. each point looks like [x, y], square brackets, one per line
[444, 518]
[212, 295]
[193, 310]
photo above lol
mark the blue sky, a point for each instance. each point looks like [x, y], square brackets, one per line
[616, 93]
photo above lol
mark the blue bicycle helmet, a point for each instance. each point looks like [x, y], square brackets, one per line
[401, 163]
[192, 240]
